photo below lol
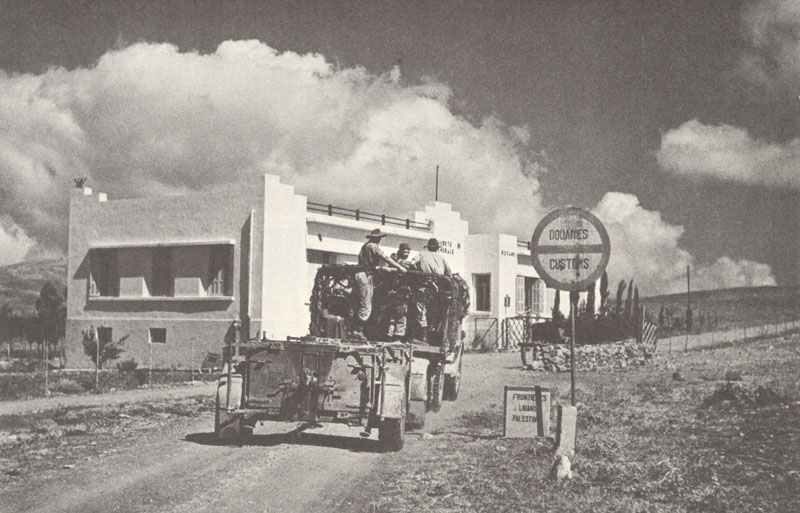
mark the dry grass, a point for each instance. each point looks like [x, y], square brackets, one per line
[646, 442]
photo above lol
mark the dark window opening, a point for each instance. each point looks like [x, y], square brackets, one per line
[483, 291]
[158, 335]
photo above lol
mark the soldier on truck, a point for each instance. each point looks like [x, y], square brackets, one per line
[371, 257]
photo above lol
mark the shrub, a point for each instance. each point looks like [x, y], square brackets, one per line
[68, 386]
[129, 365]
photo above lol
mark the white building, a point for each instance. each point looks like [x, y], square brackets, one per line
[173, 273]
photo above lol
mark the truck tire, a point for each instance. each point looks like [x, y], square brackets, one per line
[436, 389]
[391, 433]
[452, 382]
[415, 418]
[452, 385]
[222, 419]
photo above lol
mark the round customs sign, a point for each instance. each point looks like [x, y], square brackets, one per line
[570, 248]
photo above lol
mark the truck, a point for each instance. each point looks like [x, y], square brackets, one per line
[386, 379]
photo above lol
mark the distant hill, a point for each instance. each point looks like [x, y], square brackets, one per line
[729, 308]
[20, 283]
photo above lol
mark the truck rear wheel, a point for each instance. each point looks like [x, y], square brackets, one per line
[452, 382]
[416, 415]
[391, 434]
[452, 385]
[436, 389]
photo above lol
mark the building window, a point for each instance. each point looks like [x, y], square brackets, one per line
[530, 296]
[521, 296]
[162, 284]
[314, 256]
[537, 296]
[158, 335]
[103, 274]
[104, 336]
[219, 279]
[483, 291]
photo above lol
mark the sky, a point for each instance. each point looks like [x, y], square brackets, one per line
[676, 122]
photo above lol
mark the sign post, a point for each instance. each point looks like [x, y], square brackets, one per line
[570, 249]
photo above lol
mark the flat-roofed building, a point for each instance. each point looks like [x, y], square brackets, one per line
[171, 274]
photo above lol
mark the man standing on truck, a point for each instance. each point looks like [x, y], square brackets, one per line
[371, 257]
[429, 261]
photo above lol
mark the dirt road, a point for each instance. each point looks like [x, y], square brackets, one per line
[177, 466]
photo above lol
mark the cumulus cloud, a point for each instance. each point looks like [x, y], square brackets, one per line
[14, 243]
[150, 119]
[773, 30]
[729, 153]
[646, 248]
[772, 60]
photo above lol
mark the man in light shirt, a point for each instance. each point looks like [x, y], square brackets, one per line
[429, 261]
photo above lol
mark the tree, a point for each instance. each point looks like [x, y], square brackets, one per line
[604, 294]
[629, 303]
[620, 292]
[108, 350]
[590, 300]
[661, 318]
[52, 313]
[557, 316]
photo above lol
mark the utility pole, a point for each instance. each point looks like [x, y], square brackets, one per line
[688, 309]
[436, 192]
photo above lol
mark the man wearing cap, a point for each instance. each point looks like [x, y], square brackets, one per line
[403, 255]
[370, 258]
[429, 261]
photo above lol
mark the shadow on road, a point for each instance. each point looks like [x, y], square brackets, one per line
[290, 438]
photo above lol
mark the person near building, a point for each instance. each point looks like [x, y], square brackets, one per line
[370, 258]
[398, 306]
[429, 261]
[403, 255]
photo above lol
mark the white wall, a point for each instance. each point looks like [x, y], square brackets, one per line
[284, 298]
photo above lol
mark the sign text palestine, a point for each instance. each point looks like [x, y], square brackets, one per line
[524, 407]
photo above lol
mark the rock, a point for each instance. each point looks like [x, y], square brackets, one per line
[733, 375]
[536, 365]
[677, 376]
[47, 427]
[76, 429]
[562, 468]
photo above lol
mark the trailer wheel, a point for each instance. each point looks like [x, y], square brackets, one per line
[391, 433]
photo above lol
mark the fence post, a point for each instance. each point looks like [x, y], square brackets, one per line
[150, 366]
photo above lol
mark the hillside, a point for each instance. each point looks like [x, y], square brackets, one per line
[20, 283]
[729, 308]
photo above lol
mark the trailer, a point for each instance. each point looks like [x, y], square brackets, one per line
[408, 361]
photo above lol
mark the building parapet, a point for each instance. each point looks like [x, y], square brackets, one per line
[362, 215]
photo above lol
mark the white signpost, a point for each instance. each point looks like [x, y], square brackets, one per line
[570, 250]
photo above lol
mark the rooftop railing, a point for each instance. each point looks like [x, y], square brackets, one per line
[362, 215]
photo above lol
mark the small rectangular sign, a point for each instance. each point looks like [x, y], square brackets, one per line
[526, 412]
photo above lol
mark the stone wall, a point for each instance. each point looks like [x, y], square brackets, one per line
[555, 357]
